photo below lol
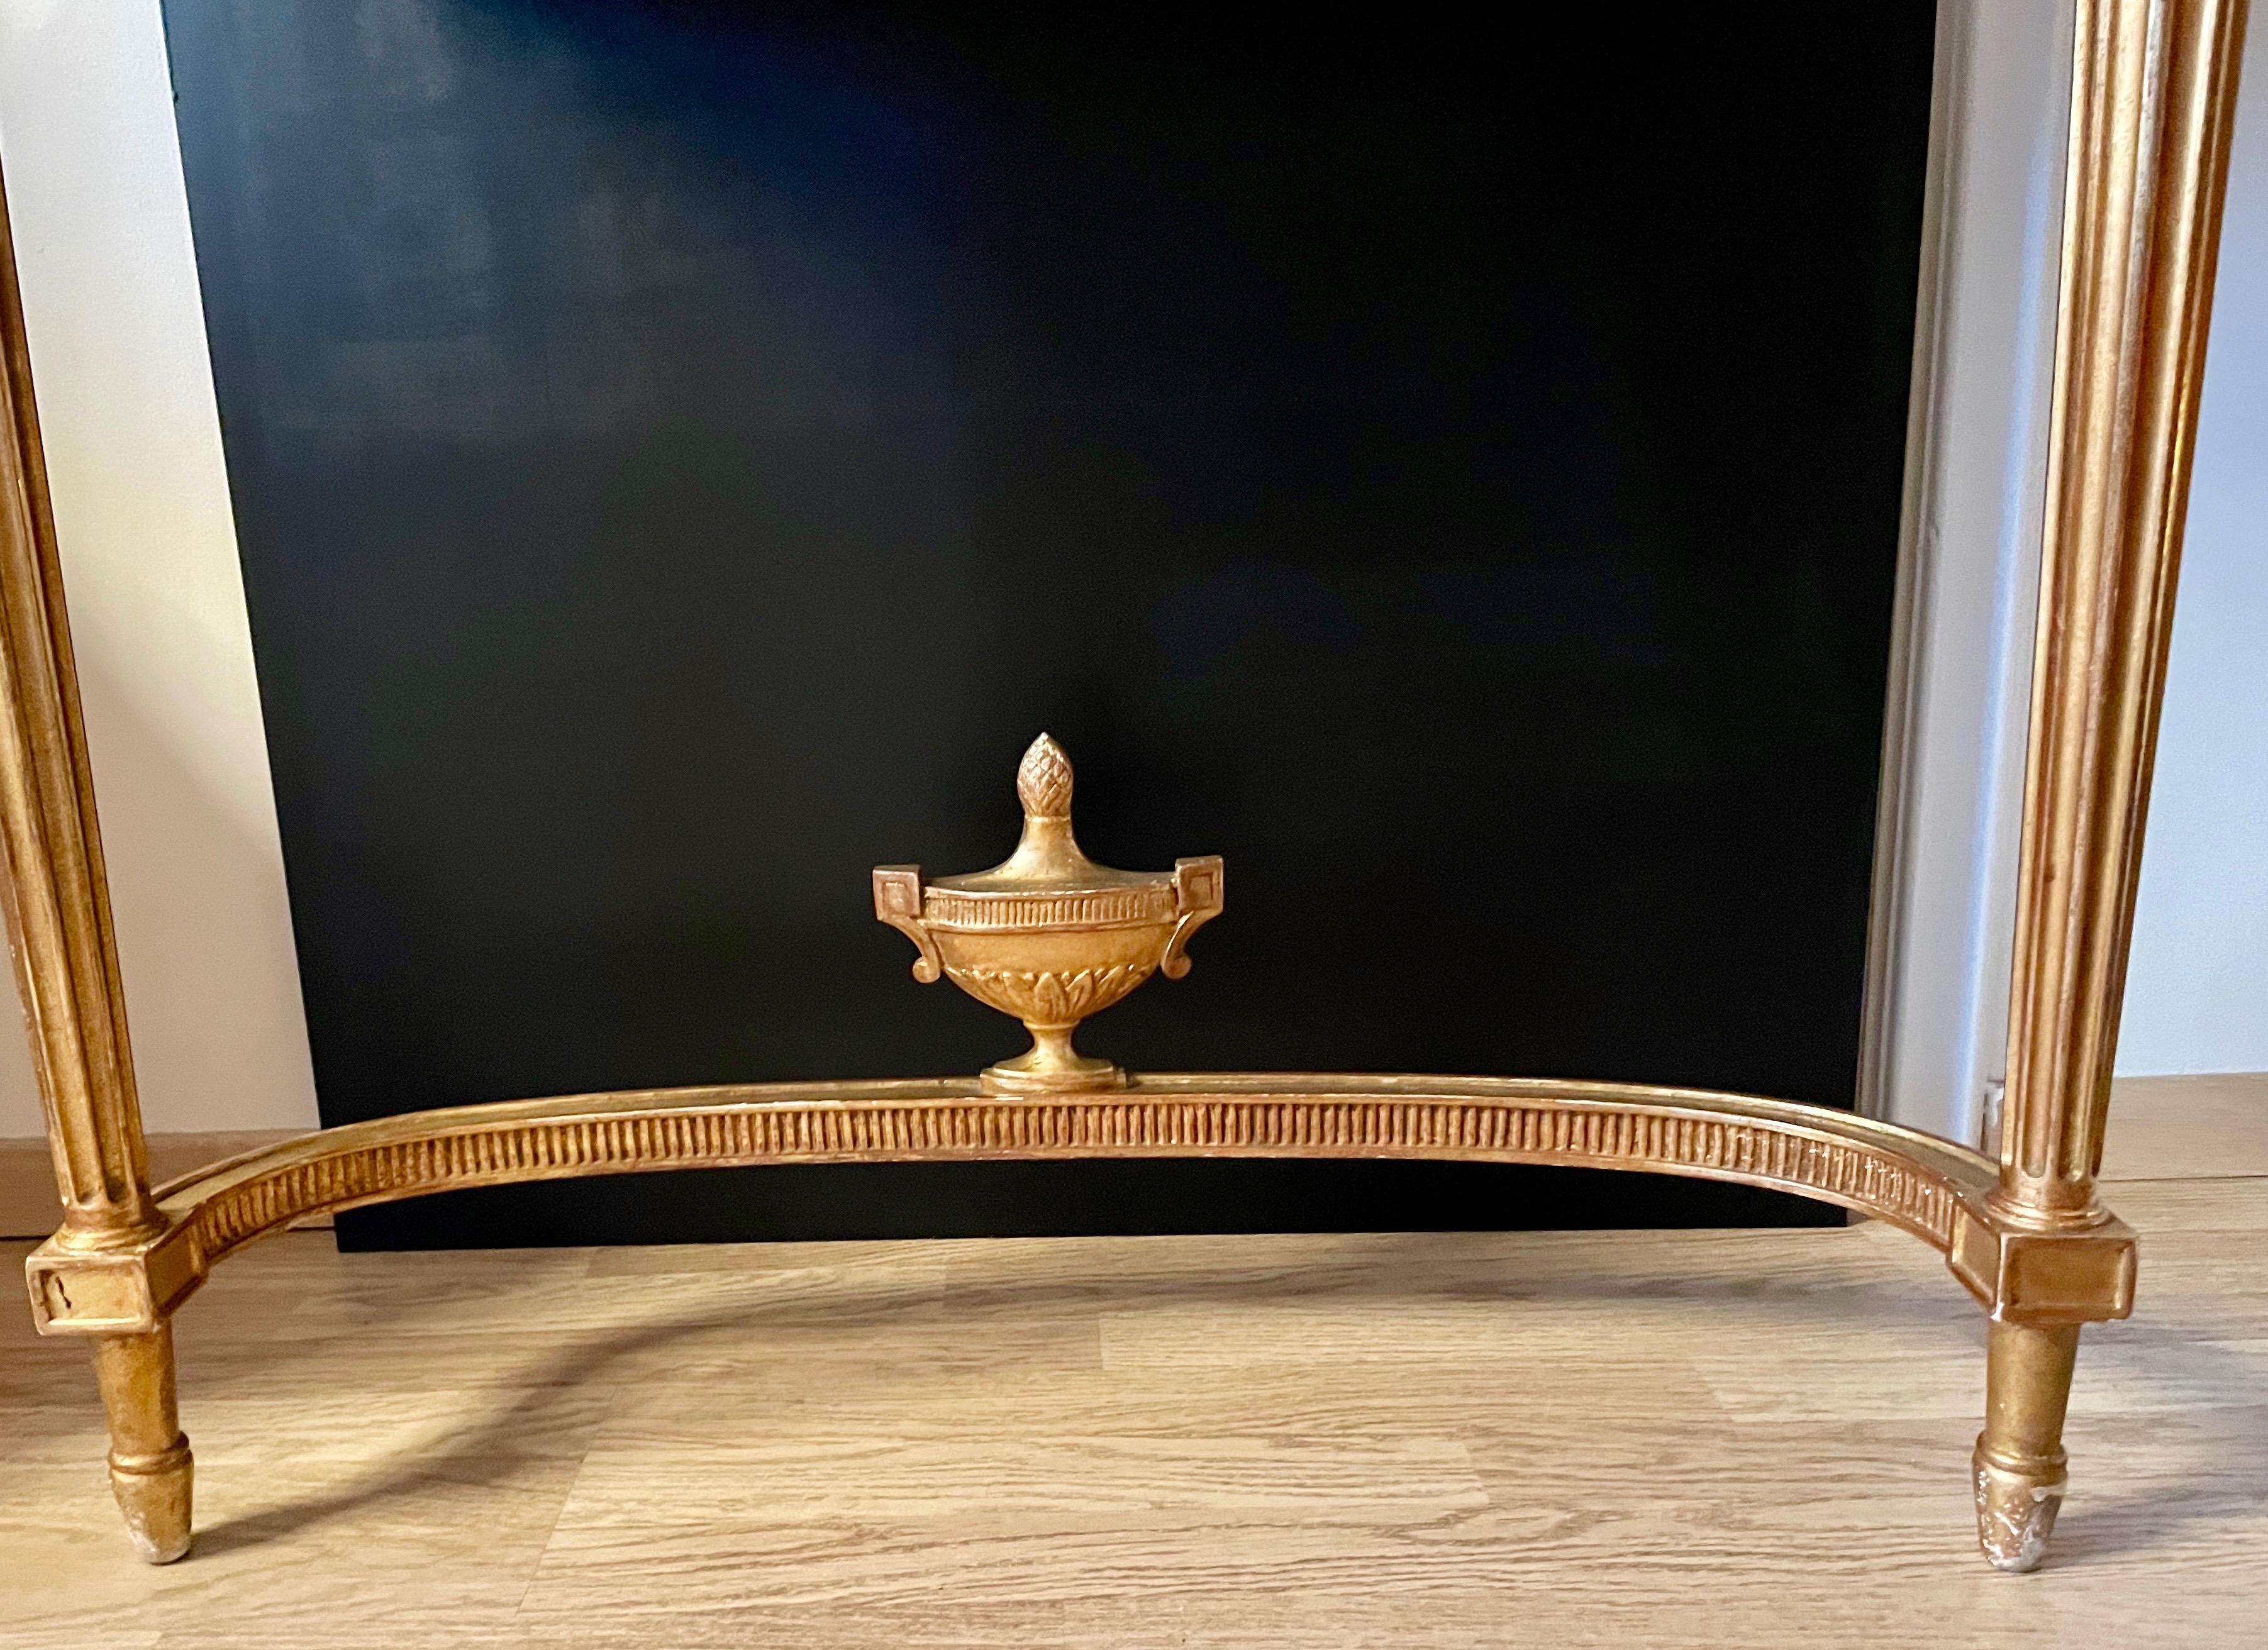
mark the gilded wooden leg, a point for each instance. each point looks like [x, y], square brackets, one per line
[149, 1463]
[2019, 1459]
[2153, 93]
[92, 1279]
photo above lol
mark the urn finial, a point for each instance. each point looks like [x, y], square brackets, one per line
[1047, 935]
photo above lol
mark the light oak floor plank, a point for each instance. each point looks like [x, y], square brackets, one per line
[2209, 1126]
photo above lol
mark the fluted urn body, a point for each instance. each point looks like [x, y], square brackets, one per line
[1048, 935]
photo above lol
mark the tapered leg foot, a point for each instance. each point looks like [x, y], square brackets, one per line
[2020, 1458]
[151, 1468]
[2016, 1509]
[153, 1494]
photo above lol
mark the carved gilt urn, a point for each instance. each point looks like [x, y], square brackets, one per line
[1048, 935]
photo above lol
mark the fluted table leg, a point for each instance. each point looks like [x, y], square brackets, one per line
[58, 910]
[2153, 93]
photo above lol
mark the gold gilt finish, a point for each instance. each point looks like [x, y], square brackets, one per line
[1050, 938]
[58, 910]
[1927, 1186]
[2153, 97]
[1048, 935]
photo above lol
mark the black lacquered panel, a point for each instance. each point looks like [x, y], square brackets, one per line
[682, 453]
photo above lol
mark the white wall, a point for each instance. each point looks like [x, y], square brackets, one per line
[2197, 989]
[126, 404]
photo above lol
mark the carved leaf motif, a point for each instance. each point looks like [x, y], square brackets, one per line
[1050, 997]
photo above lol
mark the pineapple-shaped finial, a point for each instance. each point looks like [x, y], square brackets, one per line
[1043, 780]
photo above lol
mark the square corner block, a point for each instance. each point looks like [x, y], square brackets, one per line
[2045, 1278]
[127, 1292]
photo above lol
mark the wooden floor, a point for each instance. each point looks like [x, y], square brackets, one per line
[1736, 1438]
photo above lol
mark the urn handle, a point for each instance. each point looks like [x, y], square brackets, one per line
[898, 901]
[1198, 897]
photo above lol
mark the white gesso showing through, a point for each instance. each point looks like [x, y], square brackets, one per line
[126, 403]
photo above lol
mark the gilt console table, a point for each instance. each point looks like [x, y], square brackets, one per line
[1051, 937]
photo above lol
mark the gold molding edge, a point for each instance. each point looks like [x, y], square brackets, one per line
[1929, 1188]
